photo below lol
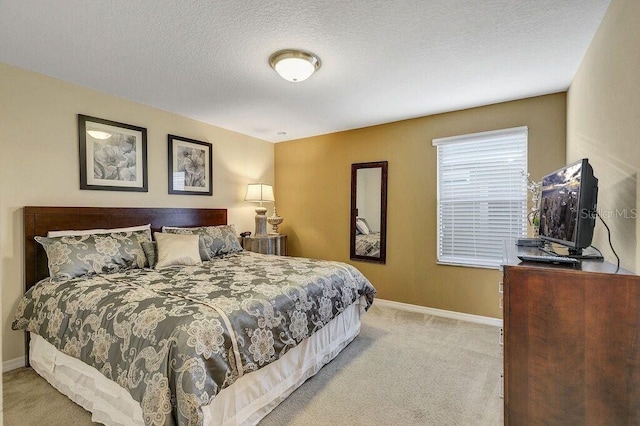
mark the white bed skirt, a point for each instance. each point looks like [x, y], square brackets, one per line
[247, 401]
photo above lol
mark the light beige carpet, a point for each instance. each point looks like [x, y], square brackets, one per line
[403, 369]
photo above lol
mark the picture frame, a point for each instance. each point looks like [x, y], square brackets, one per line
[190, 166]
[113, 155]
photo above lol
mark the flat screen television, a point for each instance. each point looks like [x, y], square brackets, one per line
[568, 206]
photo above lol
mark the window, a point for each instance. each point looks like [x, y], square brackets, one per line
[482, 195]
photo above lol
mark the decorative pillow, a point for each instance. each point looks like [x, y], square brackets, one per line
[361, 225]
[146, 228]
[151, 251]
[175, 249]
[217, 240]
[74, 256]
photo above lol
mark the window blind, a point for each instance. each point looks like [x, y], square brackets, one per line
[482, 195]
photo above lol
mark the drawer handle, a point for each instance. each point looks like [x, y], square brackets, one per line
[501, 303]
[501, 339]
[501, 391]
[500, 287]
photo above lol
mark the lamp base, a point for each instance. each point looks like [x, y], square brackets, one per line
[261, 222]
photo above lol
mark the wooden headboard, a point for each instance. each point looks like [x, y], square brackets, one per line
[39, 220]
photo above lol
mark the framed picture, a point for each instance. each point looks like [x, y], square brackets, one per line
[190, 166]
[113, 156]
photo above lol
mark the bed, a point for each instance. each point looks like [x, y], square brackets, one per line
[219, 342]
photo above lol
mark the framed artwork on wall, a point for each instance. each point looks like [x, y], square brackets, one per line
[190, 166]
[113, 156]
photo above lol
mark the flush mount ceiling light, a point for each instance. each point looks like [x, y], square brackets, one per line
[294, 65]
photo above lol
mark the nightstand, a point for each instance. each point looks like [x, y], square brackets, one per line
[269, 244]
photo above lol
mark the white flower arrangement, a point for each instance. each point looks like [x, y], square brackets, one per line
[535, 188]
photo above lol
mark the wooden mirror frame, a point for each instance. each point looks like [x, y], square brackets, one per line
[383, 165]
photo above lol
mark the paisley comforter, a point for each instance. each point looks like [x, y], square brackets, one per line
[175, 337]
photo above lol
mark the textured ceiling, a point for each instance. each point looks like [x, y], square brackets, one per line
[382, 60]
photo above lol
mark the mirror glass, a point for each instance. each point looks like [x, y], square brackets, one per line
[369, 211]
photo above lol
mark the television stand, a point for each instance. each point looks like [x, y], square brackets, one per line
[571, 352]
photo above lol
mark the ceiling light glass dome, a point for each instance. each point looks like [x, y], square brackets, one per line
[294, 65]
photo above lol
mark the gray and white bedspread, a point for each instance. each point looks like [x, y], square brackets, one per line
[368, 244]
[175, 337]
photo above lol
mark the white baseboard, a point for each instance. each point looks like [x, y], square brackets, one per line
[496, 322]
[12, 364]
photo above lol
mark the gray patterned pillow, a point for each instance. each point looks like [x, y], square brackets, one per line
[151, 251]
[218, 240]
[74, 256]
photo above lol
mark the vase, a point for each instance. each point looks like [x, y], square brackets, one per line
[274, 220]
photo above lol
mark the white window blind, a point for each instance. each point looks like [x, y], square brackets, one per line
[482, 195]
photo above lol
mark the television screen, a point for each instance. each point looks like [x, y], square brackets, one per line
[568, 205]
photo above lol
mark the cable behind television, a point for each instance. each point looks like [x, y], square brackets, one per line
[610, 244]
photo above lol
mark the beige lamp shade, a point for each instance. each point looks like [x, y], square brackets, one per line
[259, 192]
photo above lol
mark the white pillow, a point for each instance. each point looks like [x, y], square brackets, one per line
[361, 225]
[217, 240]
[177, 249]
[72, 233]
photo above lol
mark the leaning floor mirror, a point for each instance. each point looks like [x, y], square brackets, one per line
[369, 211]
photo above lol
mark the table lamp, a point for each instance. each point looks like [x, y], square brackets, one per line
[260, 193]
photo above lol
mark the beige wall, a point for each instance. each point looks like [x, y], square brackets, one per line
[39, 166]
[313, 196]
[603, 124]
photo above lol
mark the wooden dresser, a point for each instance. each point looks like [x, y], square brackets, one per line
[571, 344]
